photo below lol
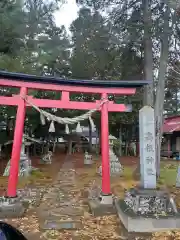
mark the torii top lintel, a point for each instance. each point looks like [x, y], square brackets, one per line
[69, 85]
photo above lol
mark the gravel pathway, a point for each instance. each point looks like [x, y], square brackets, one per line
[60, 209]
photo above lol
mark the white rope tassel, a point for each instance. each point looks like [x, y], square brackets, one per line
[67, 129]
[78, 128]
[43, 121]
[51, 127]
[93, 126]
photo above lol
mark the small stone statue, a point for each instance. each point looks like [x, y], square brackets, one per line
[47, 158]
[88, 159]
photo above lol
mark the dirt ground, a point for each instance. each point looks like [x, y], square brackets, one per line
[95, 228]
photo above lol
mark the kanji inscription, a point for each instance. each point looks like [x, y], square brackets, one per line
[147, 147]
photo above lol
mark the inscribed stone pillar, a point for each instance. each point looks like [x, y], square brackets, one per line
[178, 177]
[147, 147]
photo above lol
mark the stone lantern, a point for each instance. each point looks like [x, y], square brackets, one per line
[111, 141]
[24, 163]
[115, 165]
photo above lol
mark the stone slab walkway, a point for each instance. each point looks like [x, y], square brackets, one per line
[59, 209]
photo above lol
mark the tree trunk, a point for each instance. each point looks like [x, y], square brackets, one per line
[120, 140]
[148, 55]
[148, 98]
[90, 137]
[99, 135]
[159, 104]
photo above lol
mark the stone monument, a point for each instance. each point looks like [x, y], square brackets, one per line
[147, 147]
[145, 209]
[115, 165]
[178, 177]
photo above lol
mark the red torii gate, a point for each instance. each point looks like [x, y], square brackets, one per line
[25, 82]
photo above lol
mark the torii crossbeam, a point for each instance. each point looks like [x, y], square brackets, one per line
[25, 82]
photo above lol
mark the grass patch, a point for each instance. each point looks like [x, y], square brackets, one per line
[168, 173]
[40, 174]
[37, 177]
[128, 172]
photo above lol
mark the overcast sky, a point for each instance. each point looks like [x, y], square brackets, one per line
[66, 14]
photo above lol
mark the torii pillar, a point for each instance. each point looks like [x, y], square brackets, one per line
[16, 150]
[106, 196]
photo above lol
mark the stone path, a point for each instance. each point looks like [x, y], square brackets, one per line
[60, 209]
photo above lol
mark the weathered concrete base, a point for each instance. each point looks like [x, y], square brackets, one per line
[11, 208]
[106, 199]
[135, 223]
[88, 162]
[97, 208]
[59, 224]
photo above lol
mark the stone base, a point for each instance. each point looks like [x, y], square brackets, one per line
[59, 224]
[147, 202]
[136, 223]
[99, 209]
[11, 208]
[88, 162]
